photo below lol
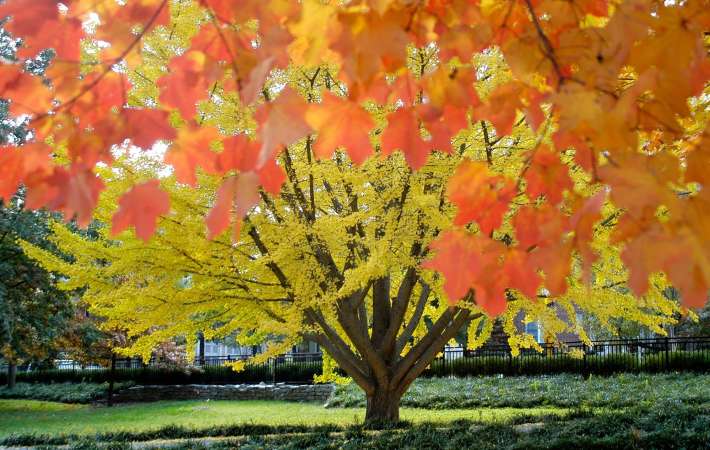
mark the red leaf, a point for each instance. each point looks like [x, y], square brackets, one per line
[271, 177]
[190, 150]
[140, 207]
[403, 133]
[239, 153]
[282, 123]
[41, 26]
[583, 154]
[454, 88]
[16, 164]
[27, 93]
[582, 222]
[539, 227]
[145, 126]
[464, 259]
[501, 106]
[520, 274]
[547, 176]
[237, 195]
[341, 123]
[479, 195]
[11, 171]
[141, 11]
[189, 80]
[555, 262]
[443, 127]
[209, 41]
[110, 91]
[656, 250]
[255, 83]
[543, 233]
[73, 192]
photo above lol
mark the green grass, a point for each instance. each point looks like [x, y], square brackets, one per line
[31, 416]
[566, 391]
[667, 426]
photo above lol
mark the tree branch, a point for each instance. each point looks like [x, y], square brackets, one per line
[399, 307]
[414, 320]
[436, 346]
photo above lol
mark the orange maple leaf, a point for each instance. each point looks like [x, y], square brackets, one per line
[480, 195]
[341, 122]
[403, 133]
[235, 197]
[140, 207]
[465, 261]
[191, 149]
[547, 175]
[145, 126]
[189, 80]
[27, 93]
[282, 122]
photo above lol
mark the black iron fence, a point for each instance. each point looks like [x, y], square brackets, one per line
[601, 357]
[289, 368]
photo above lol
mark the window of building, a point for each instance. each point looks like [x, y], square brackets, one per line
[534, 329]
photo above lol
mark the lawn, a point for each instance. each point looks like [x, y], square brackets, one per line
[564, 391]
[33, 416]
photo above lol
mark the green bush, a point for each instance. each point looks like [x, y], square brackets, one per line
[283, 372]
[563, 390]
[61, 392]
[540, 363]
[527, 364]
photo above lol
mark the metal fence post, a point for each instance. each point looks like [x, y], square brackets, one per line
[510, 362]
[111, 377]
[668, 360]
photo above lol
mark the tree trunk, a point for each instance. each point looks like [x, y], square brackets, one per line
[11, 375]
[382, 407]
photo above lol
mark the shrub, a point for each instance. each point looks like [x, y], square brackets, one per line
[540, 363]
[61, 392]
[282, 372]
[564, 390]
[303, 372]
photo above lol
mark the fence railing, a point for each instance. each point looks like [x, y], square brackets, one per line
[601, 357]
[289, 368]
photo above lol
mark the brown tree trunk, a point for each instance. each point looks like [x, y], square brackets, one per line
[11, 375]
[382, 407]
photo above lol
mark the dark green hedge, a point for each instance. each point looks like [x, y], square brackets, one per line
[283, 372]
[303, 372]
[539, 364]
[61, 392]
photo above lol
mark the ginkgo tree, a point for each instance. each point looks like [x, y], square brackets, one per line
[341, 253]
